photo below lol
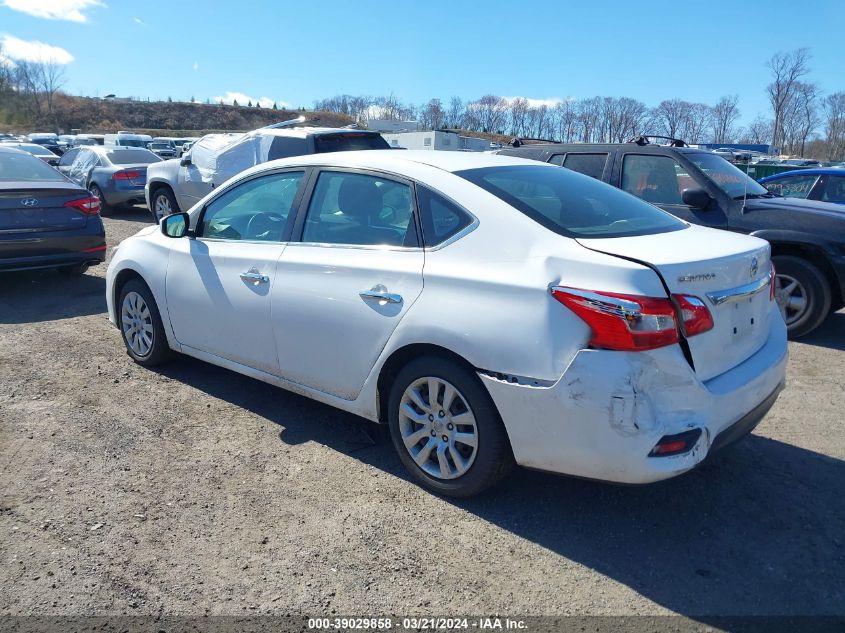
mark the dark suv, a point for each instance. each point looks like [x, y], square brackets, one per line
[807, 237]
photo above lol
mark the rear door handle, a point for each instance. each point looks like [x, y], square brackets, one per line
[379, 293]
[254, 277]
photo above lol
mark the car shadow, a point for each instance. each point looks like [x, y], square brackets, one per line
[129, 213]
[759, 530]
[831, 333]
[33, 296]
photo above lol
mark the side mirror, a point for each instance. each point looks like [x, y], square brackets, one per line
[186, 160]
[696, 197]
[176, 224]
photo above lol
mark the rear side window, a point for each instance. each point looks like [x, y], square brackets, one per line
[344, 142]
[285, 146]
[588, 164]
[571, 204]
[441, 218]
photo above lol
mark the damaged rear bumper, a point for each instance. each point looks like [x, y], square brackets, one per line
[604, 416]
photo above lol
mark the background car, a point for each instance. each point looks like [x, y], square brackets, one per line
[807, 236]
[824, 184]
[114, 175]
[39, 151]
[176, 185]
[163, 148]
[486, 308]
[46, 220]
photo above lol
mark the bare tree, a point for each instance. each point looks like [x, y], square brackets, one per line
[834, 123]
[723, 119]
[432, 115]
[671, 116]
[800, 118]
[455, 114]
[490, 111]
[518, 114]
[787, 70]
[759, 131]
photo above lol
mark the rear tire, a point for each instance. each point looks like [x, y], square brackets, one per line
[802, 293]
[140, 324]
[73, 271]
[453, 443]
[105, 209]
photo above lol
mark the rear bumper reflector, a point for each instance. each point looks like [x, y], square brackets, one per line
[95, 249]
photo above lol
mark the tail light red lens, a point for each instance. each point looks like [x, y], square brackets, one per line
[632, 322]
[622, 322]
[86, 206]
[695, 317]
[125, 175]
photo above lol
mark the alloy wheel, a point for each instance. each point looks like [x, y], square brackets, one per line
[162, 207]
[791, 298]
[137, 323]
[438, 428]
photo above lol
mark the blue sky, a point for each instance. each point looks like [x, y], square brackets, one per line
[298, 52]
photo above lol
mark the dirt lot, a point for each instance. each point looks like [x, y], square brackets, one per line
[193, 490]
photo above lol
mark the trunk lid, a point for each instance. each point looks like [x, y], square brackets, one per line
[729, 272]
[40, 208]
[138, 181]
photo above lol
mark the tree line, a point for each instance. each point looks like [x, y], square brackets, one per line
[802, 121]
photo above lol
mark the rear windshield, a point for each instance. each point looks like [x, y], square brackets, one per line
[132, 157]
[345, 142]
[130, 142]
[15, 167]
[572, 204]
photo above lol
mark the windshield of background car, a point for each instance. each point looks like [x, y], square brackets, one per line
[728, 178]
[26, 168]
[348, 141]
[132, 157]
[570, 203]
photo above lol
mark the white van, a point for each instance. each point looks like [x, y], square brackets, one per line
[128, 139]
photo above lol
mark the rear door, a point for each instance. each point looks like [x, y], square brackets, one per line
[661, 180]
[729, 274]
[342, 289]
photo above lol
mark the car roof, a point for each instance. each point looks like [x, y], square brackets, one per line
[394, 159]
[816, 171]
[565, 147]
[302, 132]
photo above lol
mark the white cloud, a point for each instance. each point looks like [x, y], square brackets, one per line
[196, 65]
[550, 102]
[33, 51]
[243, 99]
[139, 21]
[71, 10]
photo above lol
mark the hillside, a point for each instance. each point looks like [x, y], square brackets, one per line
[102, 116]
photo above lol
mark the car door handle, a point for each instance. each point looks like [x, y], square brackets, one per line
[380, 293]
[255, 277]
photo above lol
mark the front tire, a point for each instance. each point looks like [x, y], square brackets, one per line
[140, 324]
[163, 203]
[802, 294]
[446, 429]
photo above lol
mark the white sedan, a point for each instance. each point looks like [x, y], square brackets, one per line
[488, 309]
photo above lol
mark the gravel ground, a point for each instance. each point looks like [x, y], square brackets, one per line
[193, 490]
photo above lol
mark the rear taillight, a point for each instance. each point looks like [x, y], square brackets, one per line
[86, 206]
[632, 322]
[675, 444]
[622, 322]
[125, 175]
[695, 316]
[772, 281]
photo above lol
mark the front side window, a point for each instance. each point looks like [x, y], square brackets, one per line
[734, 182]
[588, 164]
[793, 186]
[440, 218]
[834, 189]
[360, 209]
[655, 179]
[572, 204]
[257, 210]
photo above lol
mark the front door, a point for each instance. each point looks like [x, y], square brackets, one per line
[219, 284]
[342, 290]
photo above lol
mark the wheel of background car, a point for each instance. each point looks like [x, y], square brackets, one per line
[140, 324]
[163, 204]
[73, 271]
[263, 223]
[105, 209]
[802, 294]
[446, 429]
